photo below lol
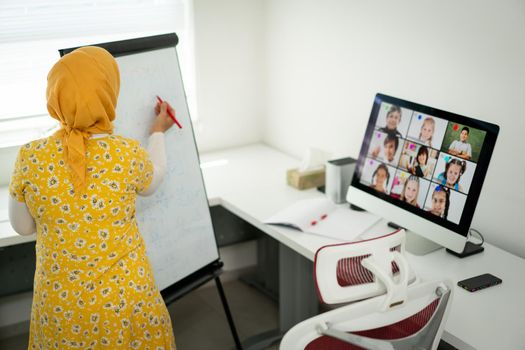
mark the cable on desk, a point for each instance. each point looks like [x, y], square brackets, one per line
[478, 234]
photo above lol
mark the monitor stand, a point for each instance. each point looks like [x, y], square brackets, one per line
[416, 244]
[419, 245]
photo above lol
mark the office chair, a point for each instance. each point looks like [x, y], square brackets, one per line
[390, 308]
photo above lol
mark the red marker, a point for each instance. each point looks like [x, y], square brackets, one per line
[170, 114]
[313, 223]
[323, 216]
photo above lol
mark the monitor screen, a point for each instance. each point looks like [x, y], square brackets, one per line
[429, 162]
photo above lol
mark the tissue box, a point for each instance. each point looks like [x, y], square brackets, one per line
[305, 179]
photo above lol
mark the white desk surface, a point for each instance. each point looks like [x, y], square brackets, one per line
[253, 186]
[251, 183]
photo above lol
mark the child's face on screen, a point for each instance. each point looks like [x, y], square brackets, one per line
[463, 136]
[453, 173]
[439, 199]
[411, 191]
[427, 130]
[392, 120]
[380, 177]
[390, 150]
[422, 159]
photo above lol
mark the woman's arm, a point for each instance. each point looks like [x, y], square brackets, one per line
[20, 217]
[157, 153]
[156, 147]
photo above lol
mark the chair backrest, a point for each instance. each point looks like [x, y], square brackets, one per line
[343, 272]
[415, 324]
[394, 312]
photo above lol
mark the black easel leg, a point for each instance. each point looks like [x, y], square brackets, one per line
[228, 314]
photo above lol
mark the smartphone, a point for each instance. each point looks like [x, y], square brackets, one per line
[479, 282]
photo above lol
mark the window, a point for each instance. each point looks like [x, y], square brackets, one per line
[32, 31]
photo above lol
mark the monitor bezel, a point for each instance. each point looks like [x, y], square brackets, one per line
[478, 179]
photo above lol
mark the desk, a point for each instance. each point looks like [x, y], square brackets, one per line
[253, 186]
[251, 183]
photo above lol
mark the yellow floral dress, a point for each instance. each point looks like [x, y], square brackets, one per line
[93, 286]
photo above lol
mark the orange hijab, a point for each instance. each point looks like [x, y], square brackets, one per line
[82, 91]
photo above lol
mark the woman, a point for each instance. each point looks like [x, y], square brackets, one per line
[93, 285]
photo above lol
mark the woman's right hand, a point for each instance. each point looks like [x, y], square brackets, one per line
[162, 121]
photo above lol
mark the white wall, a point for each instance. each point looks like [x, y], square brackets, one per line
[304, 73]
[229, 69]
[327, 59]
[7, 161]
[229, 65]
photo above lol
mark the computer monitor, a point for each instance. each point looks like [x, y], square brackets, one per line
[423, 168]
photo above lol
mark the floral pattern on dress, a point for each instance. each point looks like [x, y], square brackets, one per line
[94, 287]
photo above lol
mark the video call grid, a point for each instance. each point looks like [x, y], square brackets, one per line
[436, 148]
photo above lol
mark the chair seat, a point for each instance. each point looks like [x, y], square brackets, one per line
[365, 318]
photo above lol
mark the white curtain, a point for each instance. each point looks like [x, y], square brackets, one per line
[32, 31]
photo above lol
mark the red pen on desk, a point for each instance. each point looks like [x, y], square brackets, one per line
[170, 114]
[314, 222]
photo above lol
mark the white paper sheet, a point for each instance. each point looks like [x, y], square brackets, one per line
[322, 217]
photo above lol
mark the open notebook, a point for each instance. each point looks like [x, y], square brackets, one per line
[322, 217]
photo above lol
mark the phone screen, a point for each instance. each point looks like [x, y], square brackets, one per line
[479, 282]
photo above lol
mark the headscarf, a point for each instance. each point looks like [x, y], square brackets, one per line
[82, 91]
